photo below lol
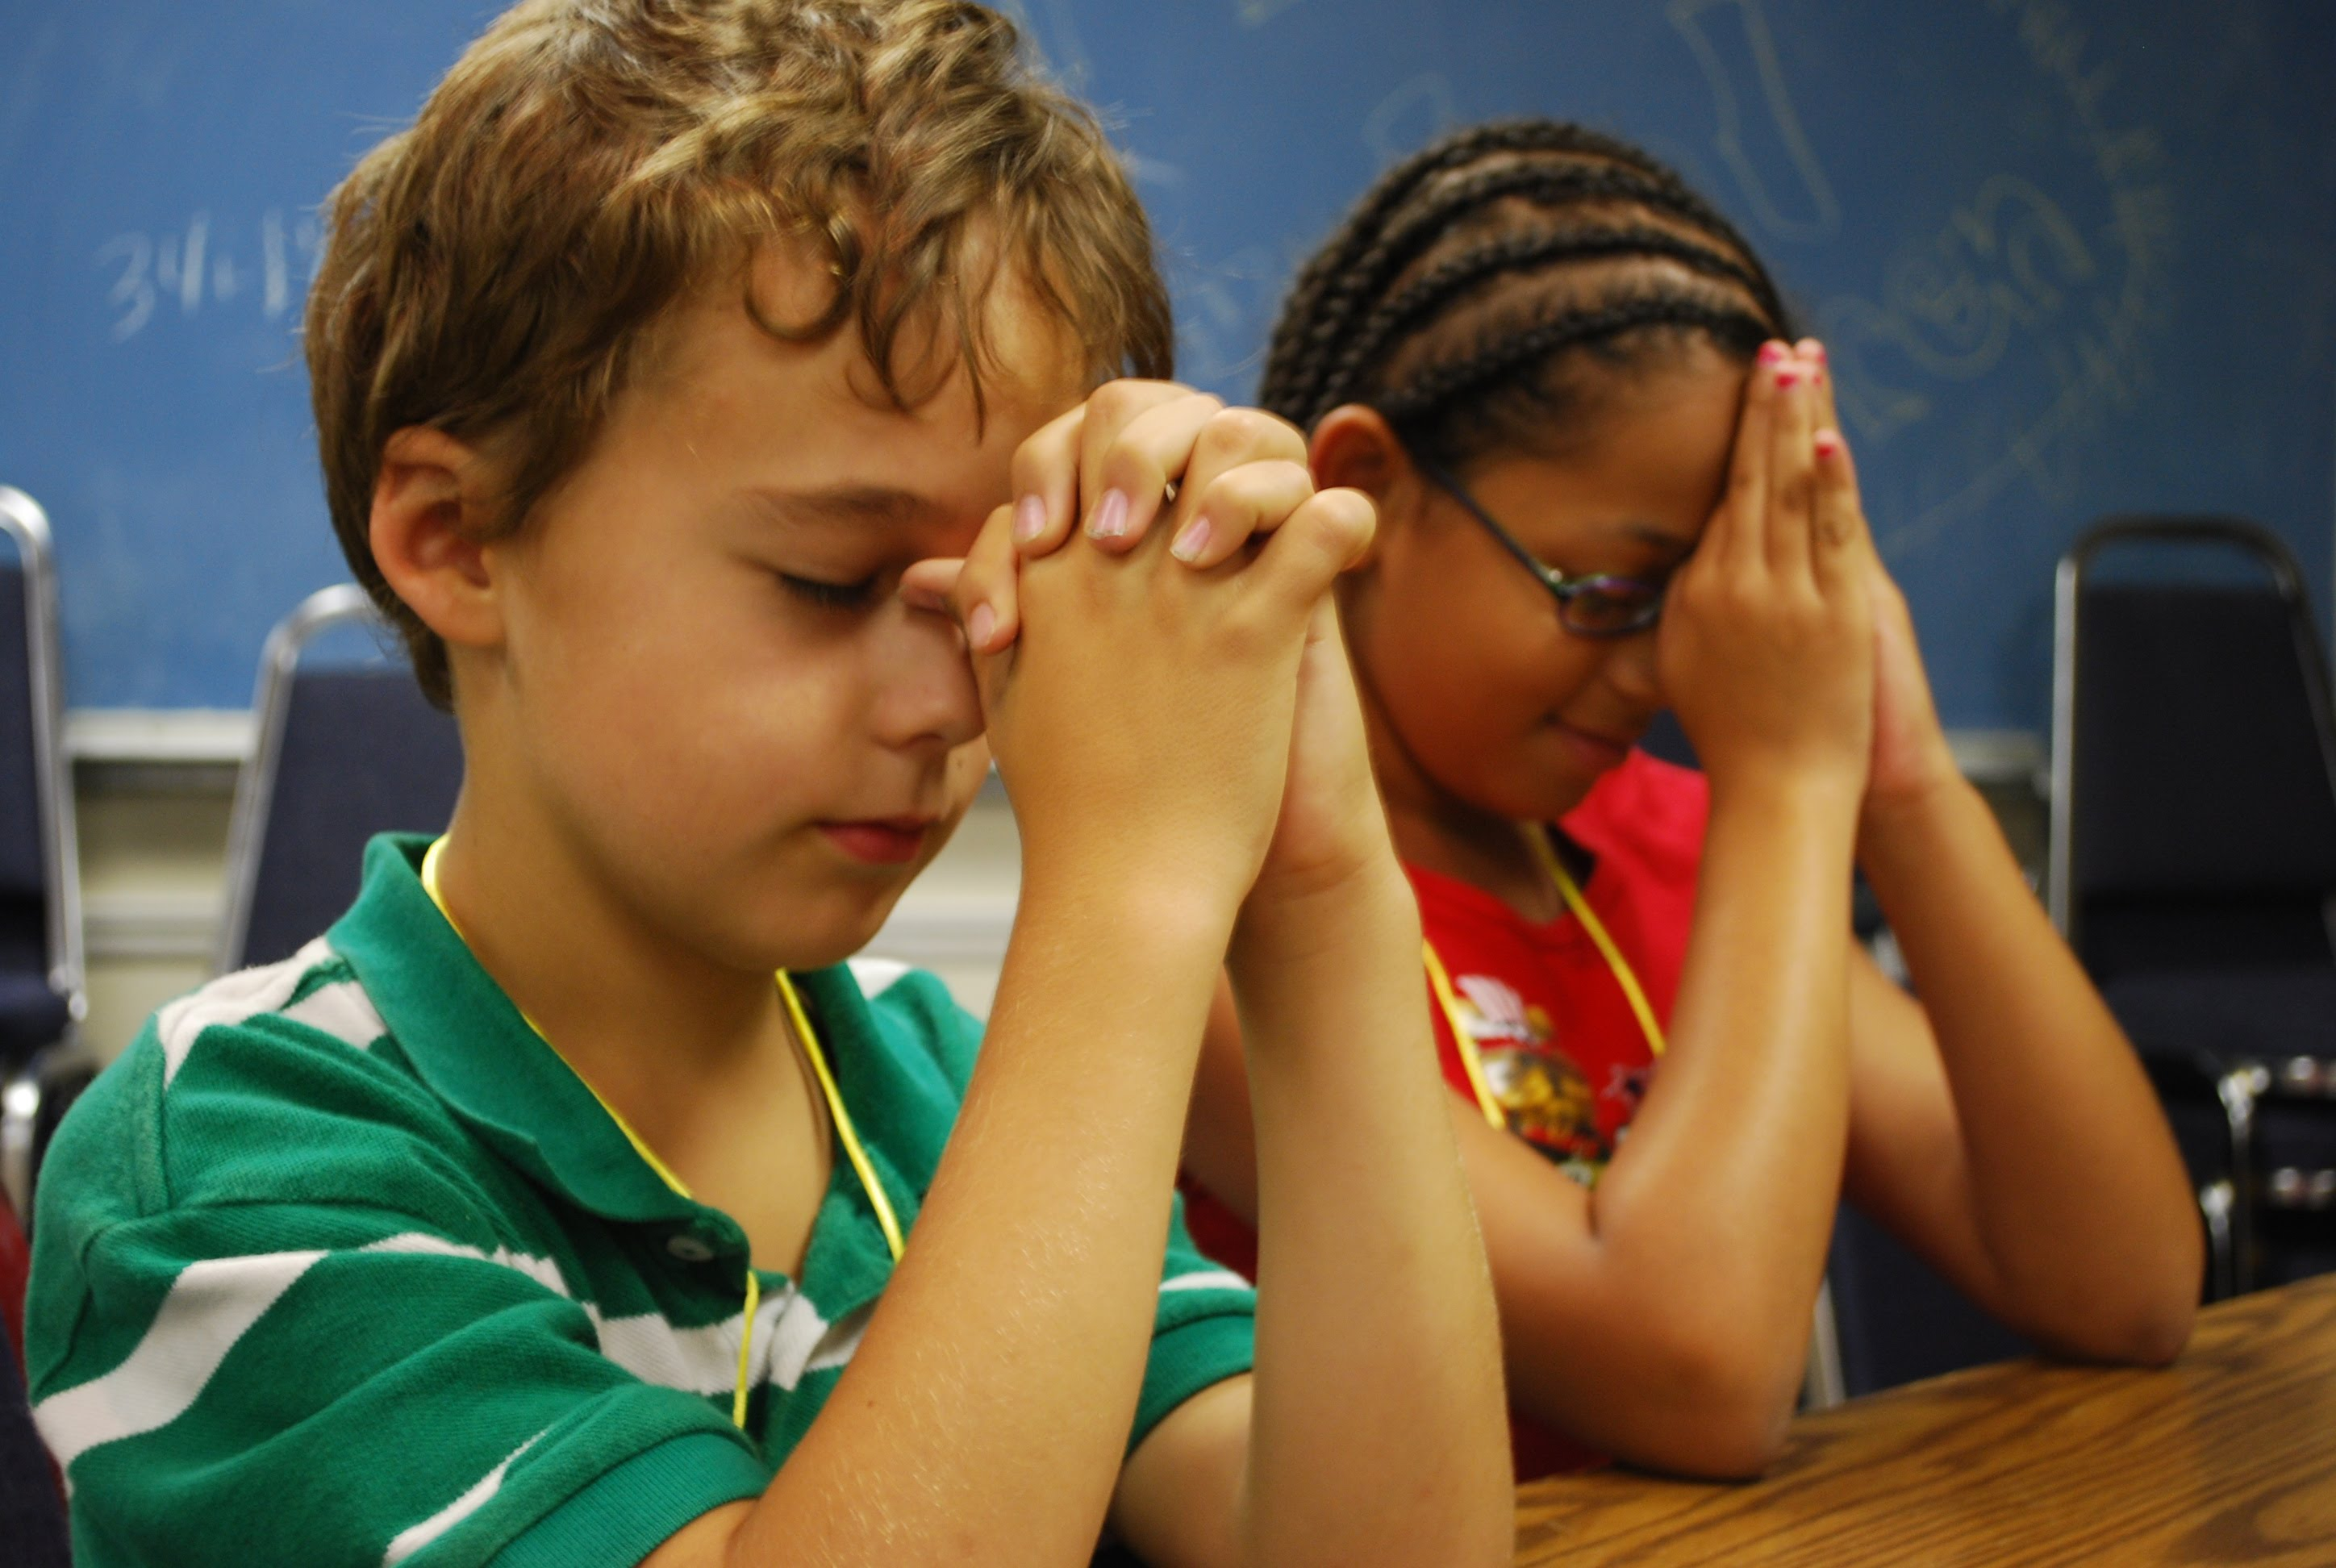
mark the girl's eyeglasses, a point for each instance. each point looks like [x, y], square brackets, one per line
[1598, 607]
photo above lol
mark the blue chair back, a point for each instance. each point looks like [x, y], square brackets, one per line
[344, 752]
[2194, 759]
[32, 1515]
[39, 941]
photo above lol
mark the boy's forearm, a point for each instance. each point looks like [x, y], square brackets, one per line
[985, 1417]
[2076, 1184]
[1380, 1432]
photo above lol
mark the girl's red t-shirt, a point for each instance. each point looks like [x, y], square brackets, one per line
[1561, 1049]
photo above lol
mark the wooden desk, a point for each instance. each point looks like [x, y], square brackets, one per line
[2228, 1456]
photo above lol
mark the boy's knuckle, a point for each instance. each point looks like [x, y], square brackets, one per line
[1230, 434]
[1252, 430]
[1348, 523]
[1133, 466]
[1114, 396]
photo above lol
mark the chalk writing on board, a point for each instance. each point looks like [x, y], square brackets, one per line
[1153, 173]
[1258, 13]
[2007, 262]
[2010, 270]
[1417, 111]
[1724, 35]
[1218, 312]
[1045, 27]
[203, 268]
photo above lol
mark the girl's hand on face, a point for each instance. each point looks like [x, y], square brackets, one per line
[1766, 645]
[1139, 709]
[1911, 757]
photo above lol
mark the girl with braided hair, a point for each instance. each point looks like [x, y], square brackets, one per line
[1609, 481]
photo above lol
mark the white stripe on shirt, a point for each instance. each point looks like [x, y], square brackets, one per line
[210, 1307]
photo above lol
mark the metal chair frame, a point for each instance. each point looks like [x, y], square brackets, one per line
[2226, 1206]
[24, 522]
[342, 604]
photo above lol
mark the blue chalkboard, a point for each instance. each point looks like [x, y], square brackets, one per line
[2072, 256]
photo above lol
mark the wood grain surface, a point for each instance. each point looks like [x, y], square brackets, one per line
[2228, 1456]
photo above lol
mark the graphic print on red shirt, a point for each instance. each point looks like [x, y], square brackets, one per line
[1561, 1050]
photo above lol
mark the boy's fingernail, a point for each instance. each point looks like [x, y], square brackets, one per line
[979, 625]
[1030, 519]
[1773, 353]
[1110, 519]
[1191, 542]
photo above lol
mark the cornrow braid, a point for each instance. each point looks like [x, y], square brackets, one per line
[1336, 276]
[1462, 285]
[1739, 330]
[1524, 253]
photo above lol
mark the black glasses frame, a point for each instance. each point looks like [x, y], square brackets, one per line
[1562, 588]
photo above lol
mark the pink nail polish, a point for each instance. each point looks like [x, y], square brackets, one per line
[1829, 444]
[1030, 519]
[1191, 542]
[1788, 378]
[1110, 519]
[1814, 350]
[979, 625]
[1772, 354]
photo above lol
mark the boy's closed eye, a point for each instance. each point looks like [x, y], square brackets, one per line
[828, 594]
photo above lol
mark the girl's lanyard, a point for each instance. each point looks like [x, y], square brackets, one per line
[853, 1149]
[1440, 981]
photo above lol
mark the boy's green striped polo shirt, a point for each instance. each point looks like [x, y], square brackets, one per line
[340, 1263]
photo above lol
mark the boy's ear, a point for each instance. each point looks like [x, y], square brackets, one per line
[431, 503]
[1355, 448]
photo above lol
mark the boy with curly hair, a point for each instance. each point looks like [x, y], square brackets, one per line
[524, 1216]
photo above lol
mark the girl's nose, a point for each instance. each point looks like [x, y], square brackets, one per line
[1630, 667]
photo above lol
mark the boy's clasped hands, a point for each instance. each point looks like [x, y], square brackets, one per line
[1168, 561]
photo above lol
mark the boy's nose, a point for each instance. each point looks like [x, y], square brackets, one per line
[925, 694]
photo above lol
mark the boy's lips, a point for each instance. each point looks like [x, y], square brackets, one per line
[880, 841]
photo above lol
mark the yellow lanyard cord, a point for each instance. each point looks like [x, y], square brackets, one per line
[1625, 977]
[834, 1097]
[649, 1155]
[1439, 981]
[844, 1130]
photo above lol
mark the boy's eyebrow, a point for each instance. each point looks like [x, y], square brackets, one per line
[854, 504]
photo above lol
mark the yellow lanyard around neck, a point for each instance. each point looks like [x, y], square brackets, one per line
[1439, 980]
[849, 1136]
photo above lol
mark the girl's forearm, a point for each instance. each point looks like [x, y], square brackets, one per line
[1720, 1202]
[1380, 1418]
[2081, 1199]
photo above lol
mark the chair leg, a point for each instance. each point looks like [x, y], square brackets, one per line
[2239, 1089]
[2215, 1201]
[1822, 1385]
[20, 1115]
